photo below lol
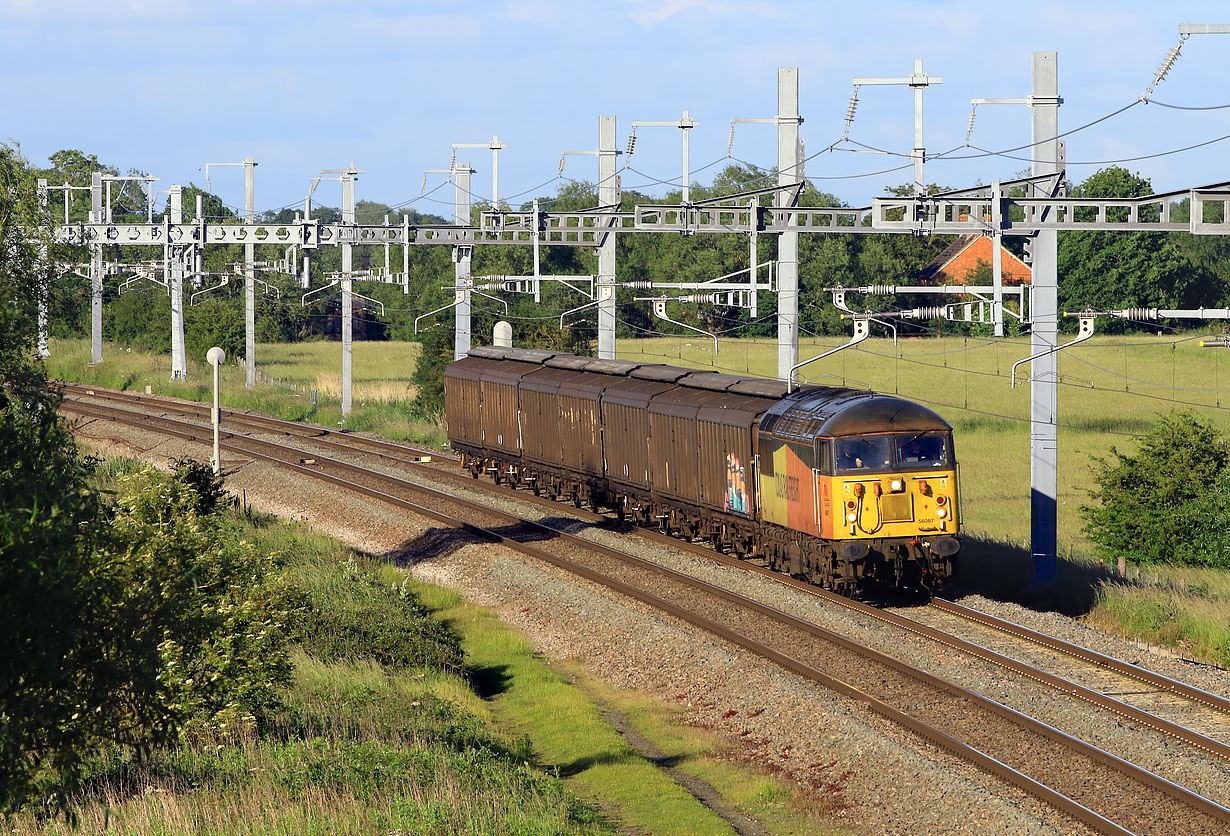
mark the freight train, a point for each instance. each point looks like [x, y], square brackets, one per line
[841, 487]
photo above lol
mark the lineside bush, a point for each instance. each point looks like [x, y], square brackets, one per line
[1168, 502]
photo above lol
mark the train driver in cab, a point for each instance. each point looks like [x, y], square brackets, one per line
[862, 453]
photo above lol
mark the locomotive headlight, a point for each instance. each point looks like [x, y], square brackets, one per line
[851, 517]
[896, 485]
[941, 512]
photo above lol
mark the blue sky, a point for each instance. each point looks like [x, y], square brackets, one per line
[300, 86]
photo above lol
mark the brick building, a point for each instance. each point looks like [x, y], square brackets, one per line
[960, 258]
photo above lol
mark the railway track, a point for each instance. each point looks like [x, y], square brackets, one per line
[1170, 707]
[1093, 786]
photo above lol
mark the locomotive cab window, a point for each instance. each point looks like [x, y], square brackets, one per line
[921, 450]
[864, 454]
[824, 460]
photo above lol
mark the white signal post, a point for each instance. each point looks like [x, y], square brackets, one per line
[216, 357]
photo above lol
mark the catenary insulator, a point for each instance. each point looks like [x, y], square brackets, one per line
[853, 106]
[935, 312]
[1168, 63]
[636, 285]
[1140, 313]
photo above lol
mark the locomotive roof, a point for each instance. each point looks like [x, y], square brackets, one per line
[825, 412]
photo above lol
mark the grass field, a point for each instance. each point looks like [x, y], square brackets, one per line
[381, 390]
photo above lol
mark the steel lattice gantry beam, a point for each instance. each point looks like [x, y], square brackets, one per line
[953, 213]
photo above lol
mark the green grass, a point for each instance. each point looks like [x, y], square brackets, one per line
[1195, 625]
[567, 732]
[381, 387]
[366, 744]
[778, 804]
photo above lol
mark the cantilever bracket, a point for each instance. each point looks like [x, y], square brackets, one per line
[659, 310]
[862, 330]
[144, 274]
[369, 299]
[839, 298]
[321, 289]
[604, 293]
[1088, 321]
[460, 297]
[225, 281]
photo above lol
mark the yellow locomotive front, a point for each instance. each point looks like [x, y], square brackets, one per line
[872, 478]
[891, 485]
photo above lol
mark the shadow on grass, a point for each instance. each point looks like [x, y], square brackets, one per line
[1005, 571]
[489, 681]
[576, 767]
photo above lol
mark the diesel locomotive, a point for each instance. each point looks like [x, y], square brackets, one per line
[837, 486]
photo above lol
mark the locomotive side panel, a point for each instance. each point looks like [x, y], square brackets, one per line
[788, 485]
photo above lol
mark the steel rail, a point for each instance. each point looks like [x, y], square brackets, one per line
[291, 428]
[1174, 686]
[1105, 702]
[1196, 802]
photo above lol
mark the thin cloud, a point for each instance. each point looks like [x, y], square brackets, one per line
[649, 13]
